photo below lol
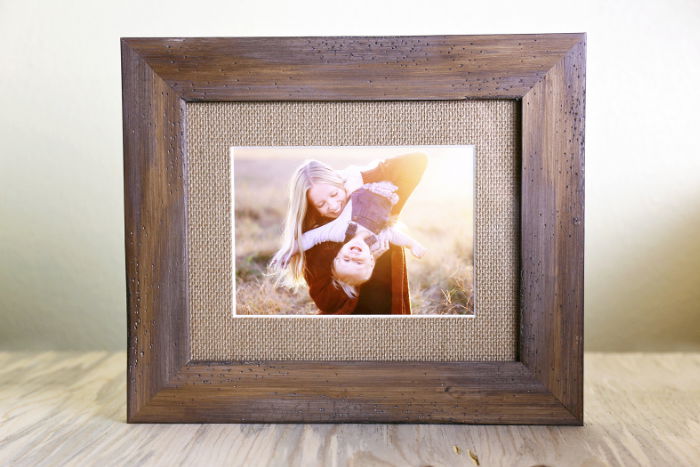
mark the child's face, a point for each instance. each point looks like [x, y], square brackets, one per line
[354, 262]
[328, 200]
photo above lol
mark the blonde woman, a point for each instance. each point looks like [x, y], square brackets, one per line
[318, 195]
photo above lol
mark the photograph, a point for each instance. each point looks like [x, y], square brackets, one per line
[347, 230]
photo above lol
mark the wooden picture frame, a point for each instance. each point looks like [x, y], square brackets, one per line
[545, 73]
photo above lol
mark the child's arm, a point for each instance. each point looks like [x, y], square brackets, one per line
[353, 178]
[334, 231]
[399, 238]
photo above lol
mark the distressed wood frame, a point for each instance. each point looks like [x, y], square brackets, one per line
[546, 73]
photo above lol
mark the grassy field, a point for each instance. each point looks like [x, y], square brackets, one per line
[438, 214]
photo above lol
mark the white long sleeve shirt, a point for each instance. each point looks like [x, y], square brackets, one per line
[335, 230]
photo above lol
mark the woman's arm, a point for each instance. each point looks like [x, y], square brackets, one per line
[331, 300]
[404, 171]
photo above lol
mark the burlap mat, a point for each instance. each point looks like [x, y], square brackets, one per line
[492, 126]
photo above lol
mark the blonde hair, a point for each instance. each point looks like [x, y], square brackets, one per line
[350, 290]
[299, 219]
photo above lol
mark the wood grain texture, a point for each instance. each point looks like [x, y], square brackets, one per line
[70, 409]
[154, 207]
[552, 229]
[354, 68]
[502, 392]
[546, 71]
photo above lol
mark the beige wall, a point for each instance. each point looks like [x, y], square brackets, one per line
[62, 280]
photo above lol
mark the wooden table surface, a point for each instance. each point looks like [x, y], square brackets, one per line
[69, 408]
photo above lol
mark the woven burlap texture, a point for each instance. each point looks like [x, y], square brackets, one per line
[492, 126]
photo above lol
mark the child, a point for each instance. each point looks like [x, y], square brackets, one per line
[363, 223]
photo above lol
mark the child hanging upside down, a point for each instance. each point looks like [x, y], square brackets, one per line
[364, 226]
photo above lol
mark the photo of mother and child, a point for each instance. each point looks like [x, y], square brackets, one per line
[343, 245]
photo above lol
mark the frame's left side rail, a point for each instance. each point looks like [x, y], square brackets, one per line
[154, 221]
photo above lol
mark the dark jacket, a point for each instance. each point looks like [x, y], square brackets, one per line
[386, 292]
